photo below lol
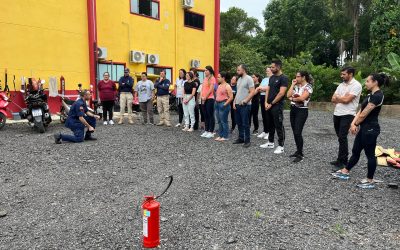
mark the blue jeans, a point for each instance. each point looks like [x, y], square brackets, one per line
[222, 116]
[242, 120]
[78, 129]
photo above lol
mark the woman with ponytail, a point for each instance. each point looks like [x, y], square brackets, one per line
[366, 128]
[299, 95]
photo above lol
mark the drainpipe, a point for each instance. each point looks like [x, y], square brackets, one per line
[176, 42]
[92, 31]
[217, 36]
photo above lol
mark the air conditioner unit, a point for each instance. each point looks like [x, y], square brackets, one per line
[188, 4]
[153, 59]
[101, 53]
[195, 63]
[137, 57]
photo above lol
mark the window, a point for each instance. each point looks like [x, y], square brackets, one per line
[157, 71]
[201, 75]
[194, 20]
[149, 8]
[116, 71]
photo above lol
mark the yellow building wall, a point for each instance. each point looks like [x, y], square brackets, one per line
[120, 32]
[44, 38]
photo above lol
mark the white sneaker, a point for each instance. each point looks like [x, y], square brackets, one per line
[262, 135]
[279, 150]
[111, 122]
[266, 136]
[204, 134]
[268, 145]
[190, 130]
[105, 123]
[209, 135]
[185, 129]
[177, 125]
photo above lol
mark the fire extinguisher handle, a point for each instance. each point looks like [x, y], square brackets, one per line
[171, 178]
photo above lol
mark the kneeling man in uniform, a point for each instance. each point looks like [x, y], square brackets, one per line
[79, 117]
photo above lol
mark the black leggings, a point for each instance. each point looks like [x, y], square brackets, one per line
[196, 116]
[298, 117]
[264, 114]
[108, 107]
[233, 115]
[365, 139]
[255, 107]
[180, 109]
[209, 115]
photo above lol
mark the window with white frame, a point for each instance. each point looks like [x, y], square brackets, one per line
[116, 71]
[149, 8]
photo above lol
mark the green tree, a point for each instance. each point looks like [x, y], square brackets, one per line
[384, 30]
[237, 26]
[236, 53]
[355, 9]
[293, 26]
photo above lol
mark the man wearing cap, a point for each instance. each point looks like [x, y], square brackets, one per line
[125, 96]
[79, 117]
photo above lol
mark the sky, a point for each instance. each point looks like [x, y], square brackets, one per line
[253, 8]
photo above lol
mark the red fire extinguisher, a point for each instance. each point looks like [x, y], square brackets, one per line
[151, 219]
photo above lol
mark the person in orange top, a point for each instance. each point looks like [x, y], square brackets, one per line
[207, 99]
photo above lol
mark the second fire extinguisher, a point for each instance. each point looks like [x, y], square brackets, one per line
[151, 219]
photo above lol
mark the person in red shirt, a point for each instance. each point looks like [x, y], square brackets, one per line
[107, 90]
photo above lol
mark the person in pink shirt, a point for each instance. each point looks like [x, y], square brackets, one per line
[224, 96]
[207, 99]
[107, 90]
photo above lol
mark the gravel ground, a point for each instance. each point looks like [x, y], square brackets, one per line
[86, 196]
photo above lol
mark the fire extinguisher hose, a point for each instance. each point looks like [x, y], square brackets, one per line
[171, 178]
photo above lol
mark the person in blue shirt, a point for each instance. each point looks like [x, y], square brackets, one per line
[125, 87]
[262, 90]
[79, 117]
[162, 87]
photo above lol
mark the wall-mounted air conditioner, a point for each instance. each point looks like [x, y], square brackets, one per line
[101, 53]
[153, 59]
[195, 63]
[137, 56]
[188, 4]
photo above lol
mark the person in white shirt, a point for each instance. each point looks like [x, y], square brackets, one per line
[179, 94]
[346, 99]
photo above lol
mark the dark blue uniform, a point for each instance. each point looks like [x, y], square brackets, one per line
[78, 109]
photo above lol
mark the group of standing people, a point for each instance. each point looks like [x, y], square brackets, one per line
[200, 104]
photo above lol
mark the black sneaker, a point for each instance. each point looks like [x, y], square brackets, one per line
[91, 138]
[298, 159]
[57, 138]
[294, 155]
[247, 144]
[238, 141]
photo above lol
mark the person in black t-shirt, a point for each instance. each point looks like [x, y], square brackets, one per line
[255, 104]
[189, 102]
[366, 128]
[197, 107]
[274, 101]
